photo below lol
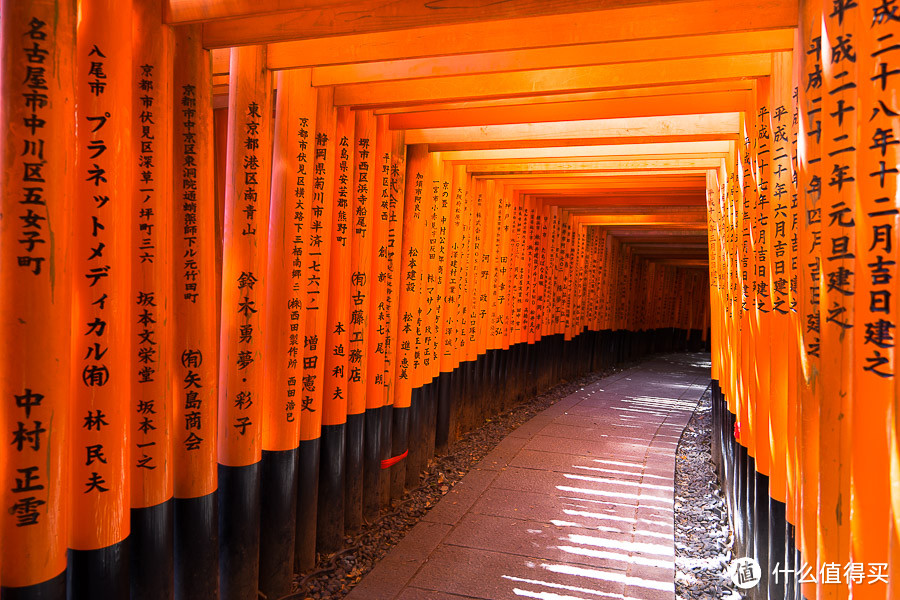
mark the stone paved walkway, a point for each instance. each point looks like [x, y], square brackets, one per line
[576, 504]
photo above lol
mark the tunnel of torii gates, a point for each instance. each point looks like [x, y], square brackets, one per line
[260, 261]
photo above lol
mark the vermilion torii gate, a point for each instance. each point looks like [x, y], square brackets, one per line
[260, 261]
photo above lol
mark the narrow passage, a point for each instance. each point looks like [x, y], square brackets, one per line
[575, 504]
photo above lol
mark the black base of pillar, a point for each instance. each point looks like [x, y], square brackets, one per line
[197, 547]
[445, 407]
[101, 573]
[790, 563]
[415, 439]
[278, 521]
[399, 445]
[354, 472]
[238, 531]
[777, 546]
[429, 420]
[330, 515]
[387, 431]
[760, 523]
[153, 552]
[309, 452]
[372, 440]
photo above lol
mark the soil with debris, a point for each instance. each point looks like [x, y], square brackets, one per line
[703, 536]
[337, 573]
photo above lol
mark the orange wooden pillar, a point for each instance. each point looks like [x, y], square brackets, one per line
[571, 282]
[194, 359]
[568, 285]
[795, 332]
[560, 260]
[512, 277]
[152, 477]
[319, 221]
[467, 213]
[100, 465]
[220, 154]
[760, 154]
[717, 261]
[555, 261]
[332, 478]
[364, 192]
[875, 454]
[376, 365]
[519, 280]
[423, 323]
[485, 292]
[876, 311]
[507, 296]
[501, 313]
[839, 184]
[377, 426]
[459, 260]
[466, 216]
[471, 287]
[423, 398]
[744, 430]
[422, 340]
[778, 124]
[411, 263]
[245, 248]
[38, 38]
[540, 307]
[733, 293]
[447, 306]
[284, 327]
[393, 444]
[732, 316]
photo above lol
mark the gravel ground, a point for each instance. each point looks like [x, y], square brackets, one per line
[703, 536]
[336, 574]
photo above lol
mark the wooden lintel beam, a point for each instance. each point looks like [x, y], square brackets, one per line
[613, 227]
[681, 177]
[553, 162]
[671, 252]
[635, 193]
[529, 59]
[650, 233]
[681, 220]
[639, 191]
[662, 238]
[593, 186]
[660, 138]
[523, 83]
[333, 17]
[659, 245]
[594, 165]
[695, 212]
[683, 262]
[376, 30]
[587, 152]
[647, 106]
[666, 200]
[703, 87]
[689, 126]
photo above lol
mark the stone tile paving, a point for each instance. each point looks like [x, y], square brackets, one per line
[576, 504]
